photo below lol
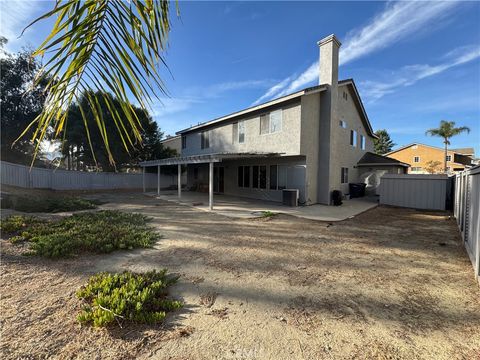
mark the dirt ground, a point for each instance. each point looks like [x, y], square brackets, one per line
[388, 284]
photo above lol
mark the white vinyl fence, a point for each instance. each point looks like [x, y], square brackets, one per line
[38, 178]
[467, 213]
[428, 192]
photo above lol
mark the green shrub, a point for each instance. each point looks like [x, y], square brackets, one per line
[16, 223]
[128, 296]
[47, 204]
[267, 214]
[95, 232]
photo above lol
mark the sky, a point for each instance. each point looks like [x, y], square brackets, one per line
[414, 63]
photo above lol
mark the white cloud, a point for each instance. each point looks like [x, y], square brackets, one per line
[409, 75]
[15, 15]
[398, 21]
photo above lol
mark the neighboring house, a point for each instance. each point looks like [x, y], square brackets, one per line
[310, 140]
[173, 142]
[421, 156]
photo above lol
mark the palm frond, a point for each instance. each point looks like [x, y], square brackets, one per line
[109, 45]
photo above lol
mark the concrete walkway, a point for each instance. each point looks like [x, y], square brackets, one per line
[239, 207]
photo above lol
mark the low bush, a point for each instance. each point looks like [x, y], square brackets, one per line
[47, 204]
[126, 297]
[267, 214]
[96, 232]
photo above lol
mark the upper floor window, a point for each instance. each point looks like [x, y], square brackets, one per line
[343, 124]
[449, 157]
[241, 132]
[353, 138]
[271, 123]
[345, 95]
[362, 142]
[238, 135]
[416, 159]
[184, 141]
[205, 143]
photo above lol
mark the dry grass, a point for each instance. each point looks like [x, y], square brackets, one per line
[388, 284]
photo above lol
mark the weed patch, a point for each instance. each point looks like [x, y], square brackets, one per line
[126, 297]
[47, 204]
[89, 232]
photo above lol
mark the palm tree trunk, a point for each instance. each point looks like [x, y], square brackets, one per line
[445, 156]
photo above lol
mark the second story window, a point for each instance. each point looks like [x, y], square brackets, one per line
[362, 142]
[205, 143]
[184, 141]
[241, 132]
[343, 124]
[416, 159]
[353, 138]
[449, 158]
[271, 123]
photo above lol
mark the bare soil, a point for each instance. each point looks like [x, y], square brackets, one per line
[388, 284]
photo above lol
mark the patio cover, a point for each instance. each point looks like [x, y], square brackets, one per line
[199, 159]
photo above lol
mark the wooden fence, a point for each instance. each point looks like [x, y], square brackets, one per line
[38, 178]
[429, 192]
[467, 213]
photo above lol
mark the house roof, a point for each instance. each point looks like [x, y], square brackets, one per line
[359, 105]
[287, 98]
[374, 159]
[252, 109]
[430, 146]
[464, 151]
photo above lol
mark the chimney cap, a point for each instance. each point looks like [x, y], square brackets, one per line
[328, 39]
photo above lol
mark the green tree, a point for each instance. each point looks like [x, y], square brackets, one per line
[111, 45]
[447, 130]
[383, 144]
[76, 145]
[20, 103]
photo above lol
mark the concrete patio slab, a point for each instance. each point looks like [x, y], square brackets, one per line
[238, 207]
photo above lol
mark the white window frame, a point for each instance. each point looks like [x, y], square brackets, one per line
[416, 159]
[270, 127]
[448, 158]
[184, 141]
[362, 142]
[353, 138]
[205, 138]
[343, 124]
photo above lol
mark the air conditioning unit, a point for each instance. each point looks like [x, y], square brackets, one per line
[290, 197]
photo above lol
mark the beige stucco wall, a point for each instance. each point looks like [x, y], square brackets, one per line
[286, 141]
[231, 176]
[342, 153]
[174, 143]
[310, 140]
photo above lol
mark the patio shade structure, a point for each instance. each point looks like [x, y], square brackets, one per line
[209, 159]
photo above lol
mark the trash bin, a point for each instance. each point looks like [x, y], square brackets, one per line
[337, 197]
[290, 197]
[357, 190]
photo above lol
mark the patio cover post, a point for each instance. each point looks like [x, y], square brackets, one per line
[210, 186]
[143, 178]
[158, 181]
[179, 181]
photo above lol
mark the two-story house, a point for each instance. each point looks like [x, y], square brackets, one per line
[310, 140]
